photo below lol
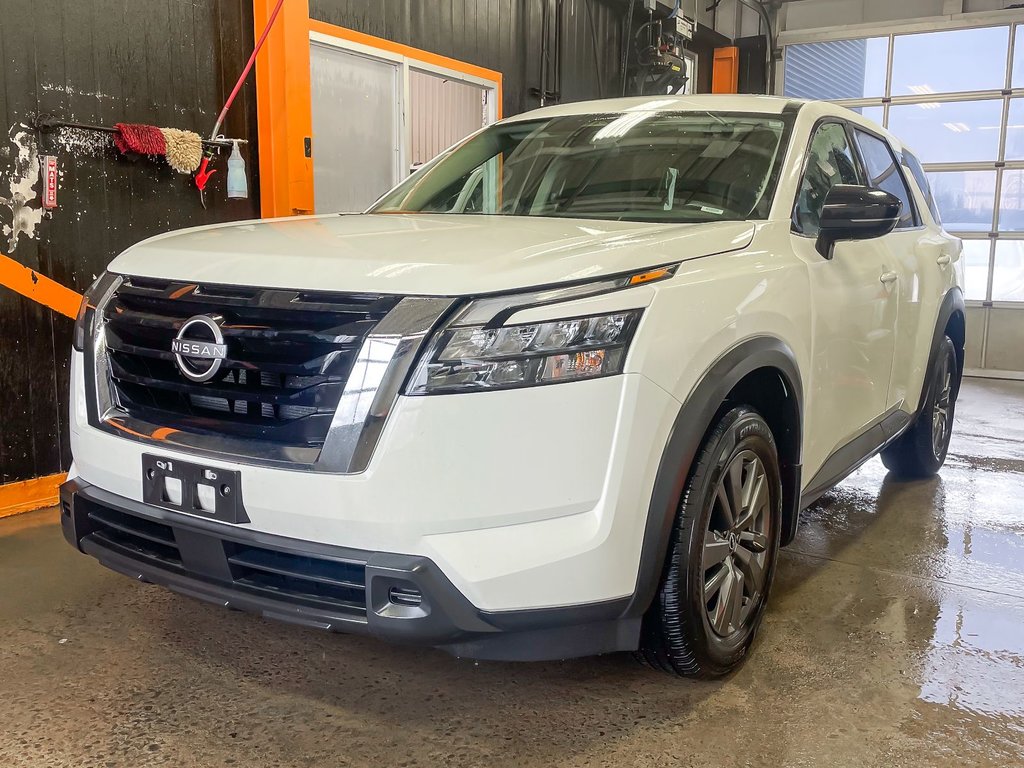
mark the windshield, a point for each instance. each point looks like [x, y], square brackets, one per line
[633, 166]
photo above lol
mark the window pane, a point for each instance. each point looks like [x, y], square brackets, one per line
[1008, 279]
[871, 113]
[956, 132]
[829, 162]
[1015, 130]
[366, 149]
[944, 62]
[965, 199]
[883, 174]
[637, 166]
[1011, 202]
[976, 254]
[841, 69]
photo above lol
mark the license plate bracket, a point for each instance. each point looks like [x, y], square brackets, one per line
[206, 491]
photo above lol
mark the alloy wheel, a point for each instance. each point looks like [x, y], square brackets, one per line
[735, 554]
[942, 409]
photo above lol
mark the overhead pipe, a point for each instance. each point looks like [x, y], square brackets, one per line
[758, 7]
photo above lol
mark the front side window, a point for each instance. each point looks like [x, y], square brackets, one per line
[634, 166]
[829, 162]
[883, 173]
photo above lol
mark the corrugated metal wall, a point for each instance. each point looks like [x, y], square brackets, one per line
[505, 35]
[833, 70]
[167, 62]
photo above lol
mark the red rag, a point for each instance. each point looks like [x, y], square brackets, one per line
[141, 139]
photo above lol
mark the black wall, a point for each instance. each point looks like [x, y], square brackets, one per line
[170, 63]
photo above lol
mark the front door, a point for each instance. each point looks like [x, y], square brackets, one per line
[854, 308]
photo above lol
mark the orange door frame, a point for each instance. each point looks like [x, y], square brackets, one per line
[283, 100]
[725, 72]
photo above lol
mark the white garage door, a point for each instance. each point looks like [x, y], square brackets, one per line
[956, 97]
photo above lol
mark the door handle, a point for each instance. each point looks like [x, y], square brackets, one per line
[944, 259]
[888, 277]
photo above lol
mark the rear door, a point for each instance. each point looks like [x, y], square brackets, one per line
[854, 309]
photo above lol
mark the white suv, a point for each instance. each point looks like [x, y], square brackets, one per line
[564, 391]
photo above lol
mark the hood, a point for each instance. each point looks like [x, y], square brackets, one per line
[425, 254]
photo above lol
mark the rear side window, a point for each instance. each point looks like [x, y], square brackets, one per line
[884, 173]
[915, 167]
[830, 161]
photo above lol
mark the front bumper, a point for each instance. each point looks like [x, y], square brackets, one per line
[402, 598]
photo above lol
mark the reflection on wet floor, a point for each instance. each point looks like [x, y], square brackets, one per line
[971, 549]
[895, 637]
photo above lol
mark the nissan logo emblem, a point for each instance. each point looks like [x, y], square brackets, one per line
[199, 348]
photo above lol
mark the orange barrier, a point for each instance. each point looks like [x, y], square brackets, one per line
[30, 494]
[37, 287]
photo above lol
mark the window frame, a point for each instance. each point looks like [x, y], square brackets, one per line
[843, 123]
[916, 221]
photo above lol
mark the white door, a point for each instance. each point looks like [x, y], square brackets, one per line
[907, 249]
[854, 311]
[357, 134]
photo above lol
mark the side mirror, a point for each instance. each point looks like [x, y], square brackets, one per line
[853, 212]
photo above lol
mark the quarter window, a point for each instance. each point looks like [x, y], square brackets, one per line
[830, 162]
[915, 167]
[883, 173]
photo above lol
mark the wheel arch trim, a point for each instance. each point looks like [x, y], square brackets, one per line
[691, 424]
[952, 304]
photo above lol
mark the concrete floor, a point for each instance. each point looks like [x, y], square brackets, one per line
[895, 637]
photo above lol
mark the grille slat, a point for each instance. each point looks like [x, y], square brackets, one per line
[289, 356]
[323, 571]
[298, 577]
[311, 396]
[140, 538]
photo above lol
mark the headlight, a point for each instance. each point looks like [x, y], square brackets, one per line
[95, 296]
[474, 358]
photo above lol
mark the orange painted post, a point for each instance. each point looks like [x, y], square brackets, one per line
[725, 71]
[284, 118]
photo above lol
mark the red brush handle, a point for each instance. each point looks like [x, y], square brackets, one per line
[245, 72]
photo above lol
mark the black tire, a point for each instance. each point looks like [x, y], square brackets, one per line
[682, 633]
[921, 450]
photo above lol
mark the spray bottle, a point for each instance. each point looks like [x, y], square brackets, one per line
[238, 186]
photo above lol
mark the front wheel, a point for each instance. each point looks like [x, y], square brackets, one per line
[721, 559]
[921, 450]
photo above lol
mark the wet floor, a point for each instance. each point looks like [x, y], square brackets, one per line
[895, 638]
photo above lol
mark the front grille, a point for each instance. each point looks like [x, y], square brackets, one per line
[289, 355]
